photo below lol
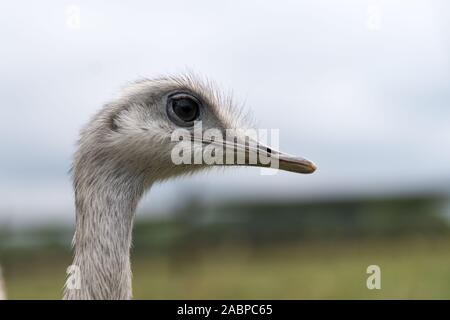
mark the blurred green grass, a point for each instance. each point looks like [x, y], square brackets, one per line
[411, 268]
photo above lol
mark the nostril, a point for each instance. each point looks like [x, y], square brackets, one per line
[265, 149]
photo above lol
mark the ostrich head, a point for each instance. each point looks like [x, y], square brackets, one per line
[132, 137]
[128, 146]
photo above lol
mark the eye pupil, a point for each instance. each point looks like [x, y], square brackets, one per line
[185, 108]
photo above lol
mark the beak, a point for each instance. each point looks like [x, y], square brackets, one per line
[296, 164]
[285, 161]
[256, 154]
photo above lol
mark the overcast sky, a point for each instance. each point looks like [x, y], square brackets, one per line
[362, 88]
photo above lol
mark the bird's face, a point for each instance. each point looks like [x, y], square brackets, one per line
[175, 126]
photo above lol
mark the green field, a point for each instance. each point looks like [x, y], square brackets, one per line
[412, 268]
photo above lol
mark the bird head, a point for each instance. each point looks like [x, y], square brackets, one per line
[160, 128]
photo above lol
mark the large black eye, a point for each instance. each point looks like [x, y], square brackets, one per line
[183, 109]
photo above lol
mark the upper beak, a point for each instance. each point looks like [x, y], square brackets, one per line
[266, 157]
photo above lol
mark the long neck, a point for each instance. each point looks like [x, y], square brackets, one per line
[102, 241]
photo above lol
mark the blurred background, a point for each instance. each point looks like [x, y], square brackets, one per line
[362, 88]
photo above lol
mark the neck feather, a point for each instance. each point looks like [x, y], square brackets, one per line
[105, 208]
